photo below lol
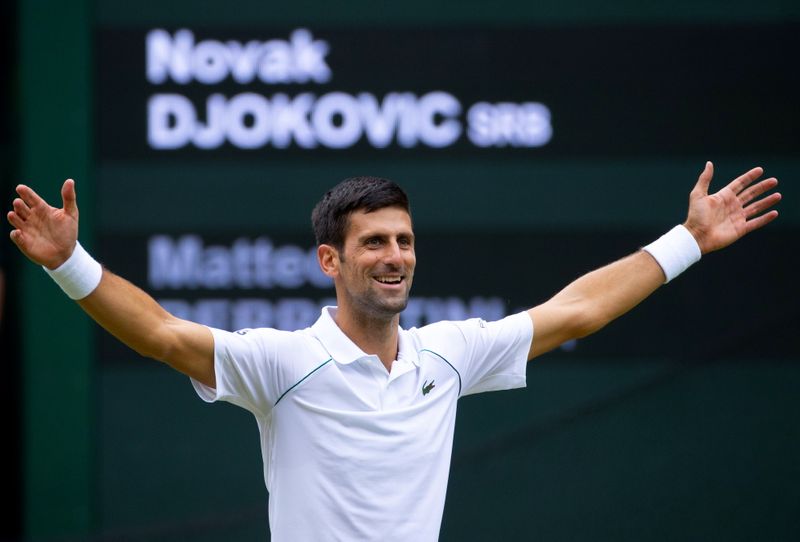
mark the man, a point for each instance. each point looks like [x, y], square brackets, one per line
[356, 415]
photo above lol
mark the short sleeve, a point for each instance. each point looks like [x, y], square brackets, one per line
[249, 372]
[495, 353]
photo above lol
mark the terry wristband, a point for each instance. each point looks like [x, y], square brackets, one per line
[79, 275]
[674, 251]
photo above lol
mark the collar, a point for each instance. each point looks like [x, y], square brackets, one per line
[345, 351]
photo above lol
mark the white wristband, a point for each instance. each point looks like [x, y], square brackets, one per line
[79, 275]
[674, 251]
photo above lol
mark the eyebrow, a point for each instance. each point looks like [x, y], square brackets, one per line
[371, 235]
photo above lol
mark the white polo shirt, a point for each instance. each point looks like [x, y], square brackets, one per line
[352, 452]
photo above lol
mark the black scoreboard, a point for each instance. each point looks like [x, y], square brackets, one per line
[532, 153]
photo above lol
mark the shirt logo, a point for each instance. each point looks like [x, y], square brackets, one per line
[426, 388]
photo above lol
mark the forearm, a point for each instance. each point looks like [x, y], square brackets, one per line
[589, 303]
[137, 320]
[128, 313]
[592, 301]
[609, 292]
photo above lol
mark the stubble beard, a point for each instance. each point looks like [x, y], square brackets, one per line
[372, 304]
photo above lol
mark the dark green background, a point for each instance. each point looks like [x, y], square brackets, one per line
[689, 445]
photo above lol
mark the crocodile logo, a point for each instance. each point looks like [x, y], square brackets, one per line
[426, 388]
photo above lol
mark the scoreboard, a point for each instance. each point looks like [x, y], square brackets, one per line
[214, 141]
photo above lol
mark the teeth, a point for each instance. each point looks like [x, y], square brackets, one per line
[389, 280]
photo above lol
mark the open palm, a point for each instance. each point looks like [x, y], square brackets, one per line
[45, 234]
[717, 220]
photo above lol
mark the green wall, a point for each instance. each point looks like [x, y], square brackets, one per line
[57, 339]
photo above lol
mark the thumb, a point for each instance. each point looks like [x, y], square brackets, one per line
[69, 198]
[704, 181]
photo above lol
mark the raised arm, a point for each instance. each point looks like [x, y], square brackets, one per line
[48, 236]
[595, 299]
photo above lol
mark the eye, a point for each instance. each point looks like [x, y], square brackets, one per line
[404, 242]
[373, 242]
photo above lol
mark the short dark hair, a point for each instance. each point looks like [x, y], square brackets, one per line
[330, 216]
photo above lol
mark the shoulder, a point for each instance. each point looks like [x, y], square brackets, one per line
[444, 336]
[449, 335]
[269, 343]
[449, 330]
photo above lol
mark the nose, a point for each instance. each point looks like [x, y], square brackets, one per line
[393, 254]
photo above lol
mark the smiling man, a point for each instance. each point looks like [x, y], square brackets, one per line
[366, 244]
[356, 414]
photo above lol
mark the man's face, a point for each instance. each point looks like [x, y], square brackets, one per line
[376, 263]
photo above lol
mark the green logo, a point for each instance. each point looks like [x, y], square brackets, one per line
[426, 388]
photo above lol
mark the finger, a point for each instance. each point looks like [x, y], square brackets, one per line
[757, 207]
[743, 181]
[761, 221]
[756, 190]
[21, 209]
[69, 198]
[704, 180]
[17, 238]
[15, 220]
[31, 198]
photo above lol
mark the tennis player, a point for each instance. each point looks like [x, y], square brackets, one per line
[356, 414]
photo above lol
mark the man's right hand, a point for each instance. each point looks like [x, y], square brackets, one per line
[45, 234]
[48, 235]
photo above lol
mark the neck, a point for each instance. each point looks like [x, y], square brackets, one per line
[375, 336]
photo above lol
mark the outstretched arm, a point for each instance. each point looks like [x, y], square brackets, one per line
[595, 299]
[48, 236]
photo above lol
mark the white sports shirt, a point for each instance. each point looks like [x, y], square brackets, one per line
[352, 452]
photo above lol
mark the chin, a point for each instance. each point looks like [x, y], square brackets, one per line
[392, 309]
[387, 308]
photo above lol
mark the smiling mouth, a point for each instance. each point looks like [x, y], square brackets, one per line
[389, 280]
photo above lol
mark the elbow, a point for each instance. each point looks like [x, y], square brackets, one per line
[152, 351]
[160, 345]
[590, 321]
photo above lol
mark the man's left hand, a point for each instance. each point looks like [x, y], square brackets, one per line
[717, 220]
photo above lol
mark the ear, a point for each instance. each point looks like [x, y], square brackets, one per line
[328, 258]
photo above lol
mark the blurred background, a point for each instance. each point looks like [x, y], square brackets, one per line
[537, 141]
